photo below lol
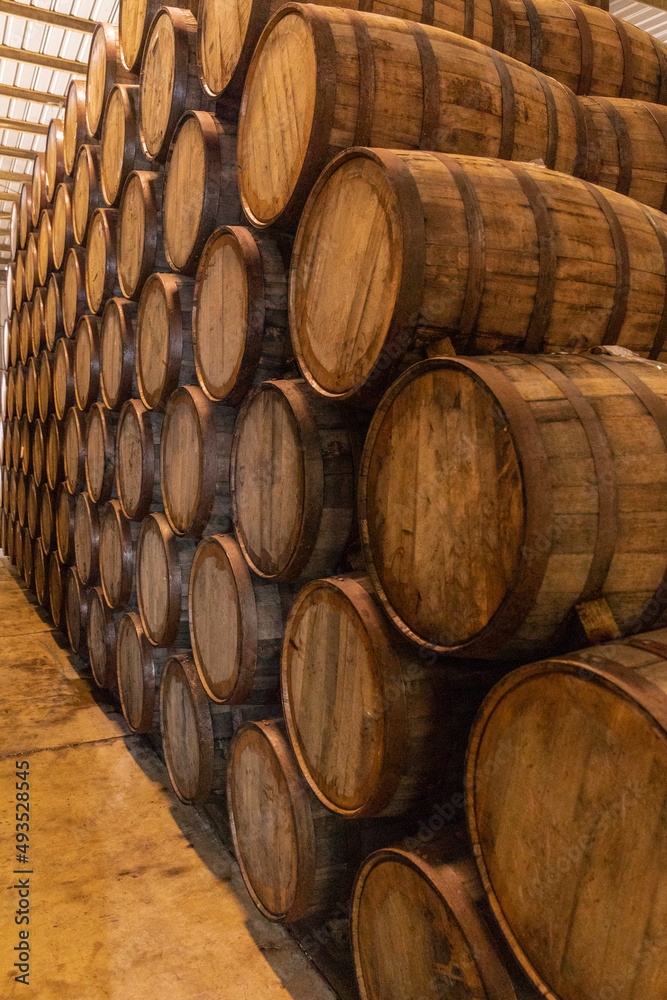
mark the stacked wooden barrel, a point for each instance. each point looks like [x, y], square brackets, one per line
[327, 399]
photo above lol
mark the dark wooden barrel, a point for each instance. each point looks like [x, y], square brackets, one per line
[74, 124]
[87, 194]
[55, 463]
[121, 146]
[38, 451]
[73, 295]
[56, 590]
[101, 259]
[164, 357]
[101, 453]
[86, 361]
[118, 376]
[77, 602]
[74, 450]
[139, 667]
[63, 377]
[38, 322]
[163, 571]
[40, 572]
[63, 224]
[101, 639]
[55, 161]
[105, 70]
[65, 508]
[87, 539]
[138, 460]
[47, 519]
[117, 546]
[140, 237]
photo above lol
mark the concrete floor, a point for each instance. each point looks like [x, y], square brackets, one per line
[132, 894]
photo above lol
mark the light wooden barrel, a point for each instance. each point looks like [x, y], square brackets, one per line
[164, 358]
[118, 377]
[19, 283]
[30, 267]
[45, 386]
[16, 444]
[18, 547]
[56, 589]
[101, 639]
[31, 382]
[10, 278]
[201, 190]
[434, 89]
[21, 498]
[26, 445]
[118, 539]
[77, 604]
[134, 20]
[73, 295]
[121, 146]
[87, 189]
[38, 451]
[20, 391]
[140, 238]
[194, 731]
[74, 450]
[292, 853]
[25, 214]
[55, 462]
[38, 322]
[86, 361]
[4, 343]
[592, 271]
[53, 310]
[63, 377]
[101, 453]
[63, 224]
[101, 259]
[138, 459]
[87, 539]
[237, 623]
[14, 230]
[292, 482]
[163, 570]
[25, 330]
[55, 159]
[195, 449]
[74, 124]
[65, 508]
[45, 261]
[15, 338]
[40, 570]
[47, 520]
[516, 553]
[139, 668]
[38, 199]
[567, 759]
[33, 509]
[105, 70]
[240, 333]
[11, 394]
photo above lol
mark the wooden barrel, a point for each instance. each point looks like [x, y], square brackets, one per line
[194, 731]
[30, 267]
[134, 21]
[140, 238]
[38, 451]
[118, 538]
[77, 600]
[4, 344]
[11, 394]
[139, 667]
[25, 331]
[31, 382]
[63, 377]
[74, 124]
[56, 589]
[87, 190]
[164, 358]
[101, 453]
[38, 200]
[45, 386]
[14, 230]
[608, 286]
[293, 450]
[195, 449]
[26, 445]
[522, 561]
[47, 519]
[583, 739]
[45, 261]
[63, 224]
[25, 214]
[485, 105]
[73, 295]
[240, 333]
[6, 477]
[40, 572]
[101, 259]
[33, 509]
[86, 361]
[118, 376]
[138, 459]
[53, 310]
[55, 462]
[19, 283]
[18, 547]
[38, 322]
[74, 450]
[65, 508]
[4, 522]
[87, 539]
[237, 622]
[101, 639]
[293, 853]
[10, 278]
[16, 444]
[20, 391]
[121, 146]
[55, 160]
[169, 81]
[27, 559]
[105, 70]
[201, 190]
[13, 488]
[15, 338]
[21, 498]
[11, 550]
[163, 571]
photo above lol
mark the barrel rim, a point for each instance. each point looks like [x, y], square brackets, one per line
[110, 49]
[200, 408]
[142, 416]
[99, 412]
[133, 65]
[85, 512]
[180, 29]
[204, 726]
[103, 680]
[119, 91]
[233, 89]
[78, 89]
[171, 620]
[125, 318]
[147, 180]
[62, 497]
[168, 284]
[76, 610]
[132, 621]
[112, 510]
[55, 134]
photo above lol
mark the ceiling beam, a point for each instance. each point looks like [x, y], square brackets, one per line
[19, 154]
[18, 126]
[68, 21]
[9, 196]
[8, 175]
[39, 59]
[25, 94]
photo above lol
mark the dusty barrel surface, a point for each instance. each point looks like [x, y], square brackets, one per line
[163, 571]
[433, 89]
[87, 190]
[74, 450]
[45, 386]
[56, 589]
[65, 509]
[53, 310]
[121, 146]
[138, 459]
[73, 297]
[240, 333]
[45, 261]
[538, 554]
[55, 461]
[55, 159]
[101, 452]
[38, 194]
[608, 706]
[354, 317]
[86, 361]
[139, 668]
[201, 190]
[118, 380]
[101, 259]
[164, 358]
[87, 539]
[140, 237]
[63, 224]
[105, 70]
[101, 639]
[74, 123]
[77, 603]
[292, 482]
[169, 82]
[47, 519]
[195, 449]
[118, 537]
[63, 377]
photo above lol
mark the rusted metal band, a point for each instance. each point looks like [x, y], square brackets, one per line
[551, 151]
[502, 20]
[619, 306]
[428, 11]
[430, 87]
[660, 118]
[661, 332]
[586, 139]
[547, 259]
[628, 84]
[536, 34]
[623, 142]
[649, 646]
[659, 50]
[468, 18]
[507, 106]
[366, 85]
[587, 50]
[366, 6]
[605, 473]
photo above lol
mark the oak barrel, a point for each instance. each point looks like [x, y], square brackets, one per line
[25, 214]
[140, 238]
[74, 123]
[134, 21]
[56, 589]
[77, 602]
[27, 559]
[38, 322]
[74, 450]
[118, 538]
[164, 357]
[25, 437]
[101, 639]
[65, 509]
[18, 547]
[101, 453]
[31, 382]
[14, 230]
[163, 570]
[38, 451]
[63, 377]
[138, 459]
[87, 539]
[40, 572]
[45, 386]
[20, 391]
[105, 70]
[33, 508]
[63, 224]
[25, 330]
[86, 361]
[38, 199]
[53, 310]
[121, 146]
[139, 667]
[21, 497]
[55, 161]
[87, 189]
[19, 282]
[118, 376]
[55, 463]
[47, 519]
[101, 259]
[45, 263]
[73, 295]
[11, 393]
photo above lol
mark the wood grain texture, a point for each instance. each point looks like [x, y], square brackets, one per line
[63, 377]
[164, 358]
[87, 539]
[139, 671]
[45, 259]
[73, 294]
[53, 310]
[163, 571]
[38, 199]
[86, 361]
[55, 460]
[87, 189]
[134, 21]
[63, 223]
[38, 323]
[30, 266]
[118, 379]
[47, 520]
[55, 161]
[65, 508]
[101, 639]
[74, 123]
[102, 259]
[44, 386]
[74, 450]
[105, 70]
[138, 459]
[140, 236]
[120, 151]
[25, 330]
[38, 451]
[76, 600]
[33, 503]
[101, 427]
[118, 541]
